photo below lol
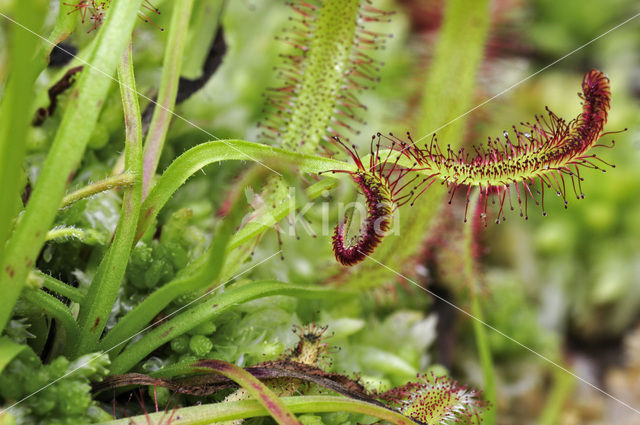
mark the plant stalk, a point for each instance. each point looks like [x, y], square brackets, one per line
[97, 304]
[471, 271]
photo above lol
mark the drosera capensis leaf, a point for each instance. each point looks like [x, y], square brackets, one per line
[544, 154]
[329, 66]
[437, 400]
[444, 98]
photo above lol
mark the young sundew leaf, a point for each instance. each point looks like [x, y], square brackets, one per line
[320, 78]
[545, 153]
[436, 400]
[447, 93]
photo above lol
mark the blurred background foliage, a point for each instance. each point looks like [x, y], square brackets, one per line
[566, 285]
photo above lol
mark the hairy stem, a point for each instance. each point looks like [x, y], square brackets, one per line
[64, 233]
[97, 304]
[120, 181]
[56, 309]
[60, 288]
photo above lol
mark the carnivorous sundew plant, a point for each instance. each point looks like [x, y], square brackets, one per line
[546, 152]
[238, 212]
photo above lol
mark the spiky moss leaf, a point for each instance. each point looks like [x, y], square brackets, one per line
[8, 350]
[324, 70]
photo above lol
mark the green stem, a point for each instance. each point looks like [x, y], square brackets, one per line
[168, 90]
[207, 309]
[202, 30]
[197, 157]
[563, 385]
[120, 181]
[15, 113]
[56, 309]
[64, 233]
[243, 409]
[61, 288]
[266, 397]
[65, 24]
[97, 304]
[66, 152]
[471, 276]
